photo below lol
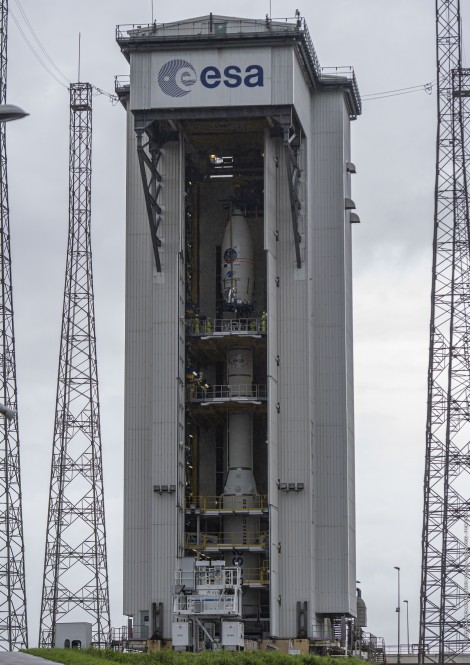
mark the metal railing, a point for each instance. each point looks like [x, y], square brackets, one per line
[255, 612]
[228, 504]
[210, 577]
[227, 540]
[226, 577]
[222, 393]
[193, 604]
[314, 62]
[122, 83]
[199, 326]
[347, 73]
[134, 632]
[204, 29]
[413, 649]
[374, 646]
[256, 576]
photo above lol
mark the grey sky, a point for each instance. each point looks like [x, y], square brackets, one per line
[391, 46]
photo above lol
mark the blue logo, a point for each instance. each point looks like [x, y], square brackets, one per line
[230, 255]
[176, 77]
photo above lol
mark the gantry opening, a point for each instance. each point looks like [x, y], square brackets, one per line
[224, 175]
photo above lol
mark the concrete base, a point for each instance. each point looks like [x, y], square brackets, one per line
[284, 646]
[158, 645]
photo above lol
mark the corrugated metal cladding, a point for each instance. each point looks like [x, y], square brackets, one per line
[168, 373]
[271, 160]
[306, 433]
[138, 493]
[334, 496]
[296, 559]
[154, 403]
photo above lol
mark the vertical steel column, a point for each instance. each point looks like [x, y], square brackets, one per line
[444, 581]
[75, 586]
[13, 621]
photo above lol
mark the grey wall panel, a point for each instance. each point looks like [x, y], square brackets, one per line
[334, 496]
[283, 81]
[270, 244]
[154, 411]
[350, 373]
[295, 460]
[140, 70]
[302, 96]
[166, 378]
[137, 467]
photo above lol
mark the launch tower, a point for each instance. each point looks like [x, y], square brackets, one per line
[239, 432]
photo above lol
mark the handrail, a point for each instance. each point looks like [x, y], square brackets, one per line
[255, 575]
[193, 604]
[225, 539]
[348, 73]
[314, 62]
[198, 393]
[122, 82]
[194, 30]
[207, 326]
[134, 632]
[210, 577]
[227, 503]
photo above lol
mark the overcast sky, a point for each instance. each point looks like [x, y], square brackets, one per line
[391, 46]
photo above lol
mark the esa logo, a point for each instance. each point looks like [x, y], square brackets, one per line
[176, 77]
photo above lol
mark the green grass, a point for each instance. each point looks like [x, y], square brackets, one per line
[168, 657]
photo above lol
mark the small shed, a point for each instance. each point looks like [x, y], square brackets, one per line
[75, 635]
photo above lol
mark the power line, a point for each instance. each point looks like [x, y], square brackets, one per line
[35, 53]
[43, 61]
[98, 91]
[38, 41]
[426, 87]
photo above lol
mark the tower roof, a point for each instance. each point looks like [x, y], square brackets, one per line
[214, 30]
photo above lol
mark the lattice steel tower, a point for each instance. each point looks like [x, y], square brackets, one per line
[444, 602]
[75, 583]
[13, 622]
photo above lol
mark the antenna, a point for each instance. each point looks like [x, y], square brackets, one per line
[79, 54]
[151, 2]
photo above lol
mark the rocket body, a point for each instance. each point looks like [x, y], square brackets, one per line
[240, 480]
[237, 288]
[240, 492]
[237, 262]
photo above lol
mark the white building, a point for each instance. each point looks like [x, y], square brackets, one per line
[239, 423]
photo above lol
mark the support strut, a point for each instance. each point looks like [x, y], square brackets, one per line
[291, 150]
[151, 181]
